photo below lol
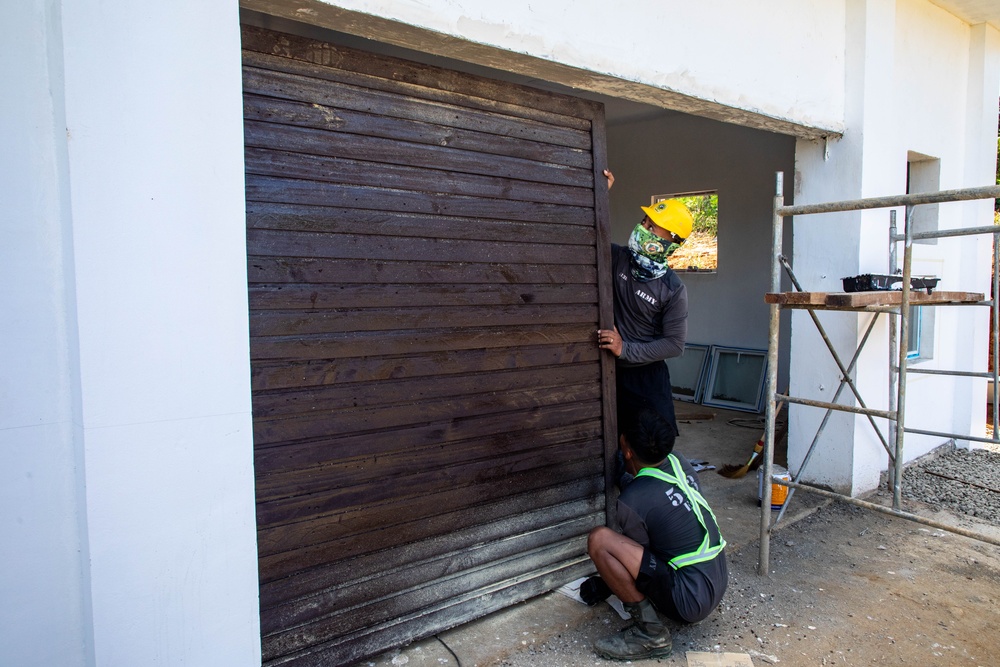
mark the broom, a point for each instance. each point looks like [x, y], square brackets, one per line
[733, 471]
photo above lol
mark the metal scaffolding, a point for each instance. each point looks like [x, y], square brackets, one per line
[894, 305]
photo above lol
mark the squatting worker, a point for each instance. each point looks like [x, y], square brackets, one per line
[669, 557]
[650, 306]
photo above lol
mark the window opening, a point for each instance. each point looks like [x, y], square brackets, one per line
[920, 334]
[913, 333]
[736, 379]
[923, 174]
[701, 250]
[687, 372]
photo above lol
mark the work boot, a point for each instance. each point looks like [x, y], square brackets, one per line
[647, 637]
[594, 590]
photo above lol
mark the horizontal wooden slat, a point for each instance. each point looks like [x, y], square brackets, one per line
[264, 136]
[303, 49]
[488, 427]
[356, 519]
[416, 179]
[360, 344]
[310, 270]
[848, 300]
[440, 163]
[338, 118]
[895, 298]
[373, 467]
[368, 538]
[337, 575]
[532, 122]
[339, 587]
[345, 477]
[264, 242]
[444, 615]
[268, 430]
[474, 580]
[285, 323]
[293, 218]
[292, 191]
[415, 585]
[317, 84]
[312, 297]
[407, 491]
[301, 485]
[408, 390]
[285, 374]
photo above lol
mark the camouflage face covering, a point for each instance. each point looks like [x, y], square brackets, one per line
[649, 254]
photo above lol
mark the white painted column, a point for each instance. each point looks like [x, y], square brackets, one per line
[125, 430]
[977, 252]
[830, 247]
[44, 588]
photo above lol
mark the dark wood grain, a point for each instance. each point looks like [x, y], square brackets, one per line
[366, 538]
[373, 197]
[382, 222]
[426, 257]
[415, 178]
[267, 375]
[323, 117]
[489, 430]
[445, 614]
[470, 581]
[339, 577]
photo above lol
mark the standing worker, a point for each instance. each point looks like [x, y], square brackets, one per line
[650, 305]
[669, 558]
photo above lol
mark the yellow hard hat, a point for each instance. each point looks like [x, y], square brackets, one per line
[672, 215]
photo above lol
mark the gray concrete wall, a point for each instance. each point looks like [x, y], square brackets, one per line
[681, 153]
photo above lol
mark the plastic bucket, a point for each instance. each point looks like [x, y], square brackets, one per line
[779, 493]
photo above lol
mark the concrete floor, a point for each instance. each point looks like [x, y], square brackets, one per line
[711, 434]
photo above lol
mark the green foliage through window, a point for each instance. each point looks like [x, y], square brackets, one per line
[701, 250]
[705, 209]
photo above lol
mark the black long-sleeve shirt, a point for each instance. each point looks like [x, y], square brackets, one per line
[651, 317]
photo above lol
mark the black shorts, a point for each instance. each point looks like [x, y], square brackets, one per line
[699, 588]
[645, 386]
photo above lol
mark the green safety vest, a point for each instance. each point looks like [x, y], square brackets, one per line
[705, 552]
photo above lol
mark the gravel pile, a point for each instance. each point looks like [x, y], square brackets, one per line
[965, 481]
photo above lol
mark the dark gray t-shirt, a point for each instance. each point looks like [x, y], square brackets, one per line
[651, 317]
[647, 514]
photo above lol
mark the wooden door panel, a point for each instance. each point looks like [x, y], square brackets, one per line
[427, 262]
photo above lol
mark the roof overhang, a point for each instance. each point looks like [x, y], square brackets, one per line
[973, 11]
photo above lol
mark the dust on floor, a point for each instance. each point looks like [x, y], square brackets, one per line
[847, 586]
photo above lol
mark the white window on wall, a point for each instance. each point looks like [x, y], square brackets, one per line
[920, 334]
[701, 250]
[923, 174]
[913, 334]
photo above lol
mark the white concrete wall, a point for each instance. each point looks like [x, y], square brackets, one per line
[968, 158]
[910, 70]
[829, 247]
[981, 159]
[44, 605]
[125, 429]
[767, 57]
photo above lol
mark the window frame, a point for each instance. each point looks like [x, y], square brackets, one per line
[694, 193]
